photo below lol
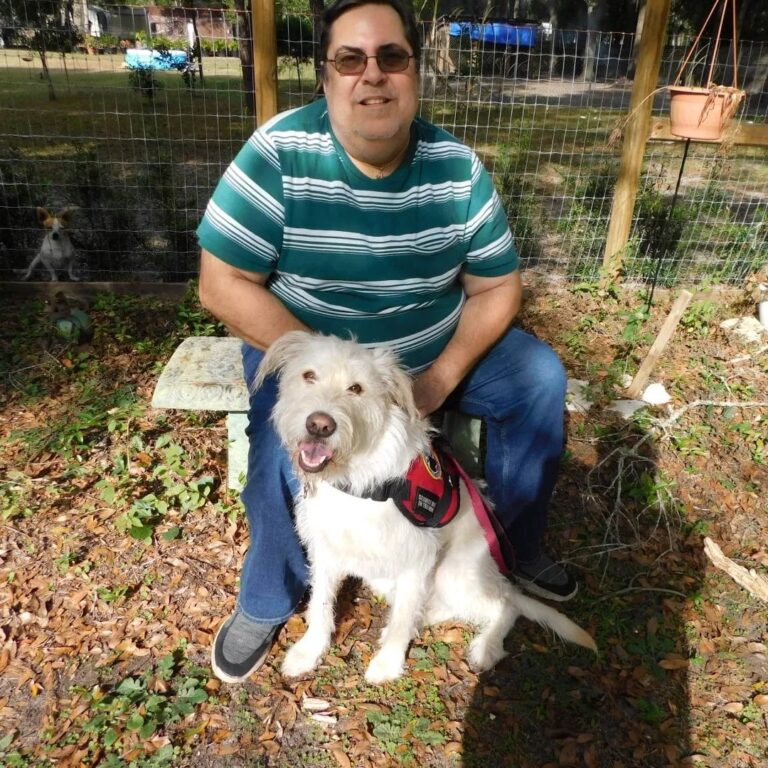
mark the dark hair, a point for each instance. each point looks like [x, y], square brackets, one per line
[332, 12]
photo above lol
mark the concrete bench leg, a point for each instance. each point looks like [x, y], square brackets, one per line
[237, 450]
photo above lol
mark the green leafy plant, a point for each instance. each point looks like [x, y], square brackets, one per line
[698, 317]
[139, 705]
[176, 489]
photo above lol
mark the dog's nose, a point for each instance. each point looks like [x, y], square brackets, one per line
[55, 235]
[320, 424]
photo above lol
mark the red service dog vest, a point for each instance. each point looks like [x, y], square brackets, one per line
[430, 496]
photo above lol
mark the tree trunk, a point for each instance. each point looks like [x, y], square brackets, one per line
[636, 45]
[47, 74]
[316, 7]
[244, 36]
[553, 20]
[759, 79]
[197, 49]
[595, 10]
[729, 75]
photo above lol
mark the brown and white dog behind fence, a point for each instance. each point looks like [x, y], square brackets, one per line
[56, 251]
[346, 415]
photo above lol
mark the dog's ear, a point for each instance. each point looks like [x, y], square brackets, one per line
[42, 214]
[65, 215]
[399, 383]
[279, 353]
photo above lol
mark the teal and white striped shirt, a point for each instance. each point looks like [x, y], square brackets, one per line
[378, 258]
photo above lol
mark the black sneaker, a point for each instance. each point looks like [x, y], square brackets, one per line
[545, 578]
[240, 647]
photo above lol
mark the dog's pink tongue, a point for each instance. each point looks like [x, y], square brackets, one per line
[314, 452]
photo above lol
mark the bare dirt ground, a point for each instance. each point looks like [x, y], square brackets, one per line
[120, 550]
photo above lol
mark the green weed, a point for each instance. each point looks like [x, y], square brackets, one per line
[14, 497]
[650, 712]
[138, 706]
[397, 729]
[692, 442]
[697, 319]
[175, 488]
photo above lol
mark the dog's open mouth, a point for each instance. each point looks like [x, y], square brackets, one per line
[314, 455]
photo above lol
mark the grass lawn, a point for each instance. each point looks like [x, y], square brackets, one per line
[141, 170]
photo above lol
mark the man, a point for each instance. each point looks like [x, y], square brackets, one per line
[351, 215]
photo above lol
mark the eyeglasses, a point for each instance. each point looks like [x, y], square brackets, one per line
[389, 59]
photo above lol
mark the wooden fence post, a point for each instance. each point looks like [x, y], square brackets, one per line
[264, 59]
[635, 134]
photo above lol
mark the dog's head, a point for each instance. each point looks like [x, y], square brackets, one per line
[55, 224]
[337, 399]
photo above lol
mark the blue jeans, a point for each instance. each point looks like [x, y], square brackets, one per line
[518, 389]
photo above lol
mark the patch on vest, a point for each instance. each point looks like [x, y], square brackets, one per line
[430, 494]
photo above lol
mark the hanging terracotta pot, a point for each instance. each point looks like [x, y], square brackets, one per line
[702, 113]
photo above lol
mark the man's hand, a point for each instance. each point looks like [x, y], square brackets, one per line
[491, 305]
[430, 389]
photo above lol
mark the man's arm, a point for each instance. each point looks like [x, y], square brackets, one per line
[241, 301]
[491, 305]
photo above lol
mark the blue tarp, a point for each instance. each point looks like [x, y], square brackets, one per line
[139, 58]
[496, 33]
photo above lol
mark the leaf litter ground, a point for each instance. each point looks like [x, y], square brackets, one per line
[121, 547]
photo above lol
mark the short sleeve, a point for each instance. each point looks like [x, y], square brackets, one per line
[491, 249]
[243, 222]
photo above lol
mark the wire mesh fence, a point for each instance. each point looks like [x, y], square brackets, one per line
[134, 123]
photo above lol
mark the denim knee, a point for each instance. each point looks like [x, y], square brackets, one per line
[547, 373]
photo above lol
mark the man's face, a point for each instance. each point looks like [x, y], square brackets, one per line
[372, 111]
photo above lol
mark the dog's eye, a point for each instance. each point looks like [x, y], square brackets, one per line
[309, 376]
[355, 389]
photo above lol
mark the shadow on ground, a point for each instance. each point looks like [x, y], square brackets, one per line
[551, 704]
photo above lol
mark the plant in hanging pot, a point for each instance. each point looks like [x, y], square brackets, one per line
[702, 112]
[699, 112]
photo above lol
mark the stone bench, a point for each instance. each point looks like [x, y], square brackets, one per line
[205, 373]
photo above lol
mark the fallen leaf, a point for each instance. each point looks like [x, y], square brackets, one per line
[324, 719]
[675, 663]
[337, 751]
[311, 704]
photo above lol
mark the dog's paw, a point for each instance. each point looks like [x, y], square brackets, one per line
[302, 658]
[386, 665]
[484, 655]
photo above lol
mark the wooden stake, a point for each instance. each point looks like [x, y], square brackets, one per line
[635, 389]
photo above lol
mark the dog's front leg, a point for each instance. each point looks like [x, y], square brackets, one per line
[52, 272]
[404, 618]
[305, 654]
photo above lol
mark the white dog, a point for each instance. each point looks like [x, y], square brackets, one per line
[347, 416]
[57, 251]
